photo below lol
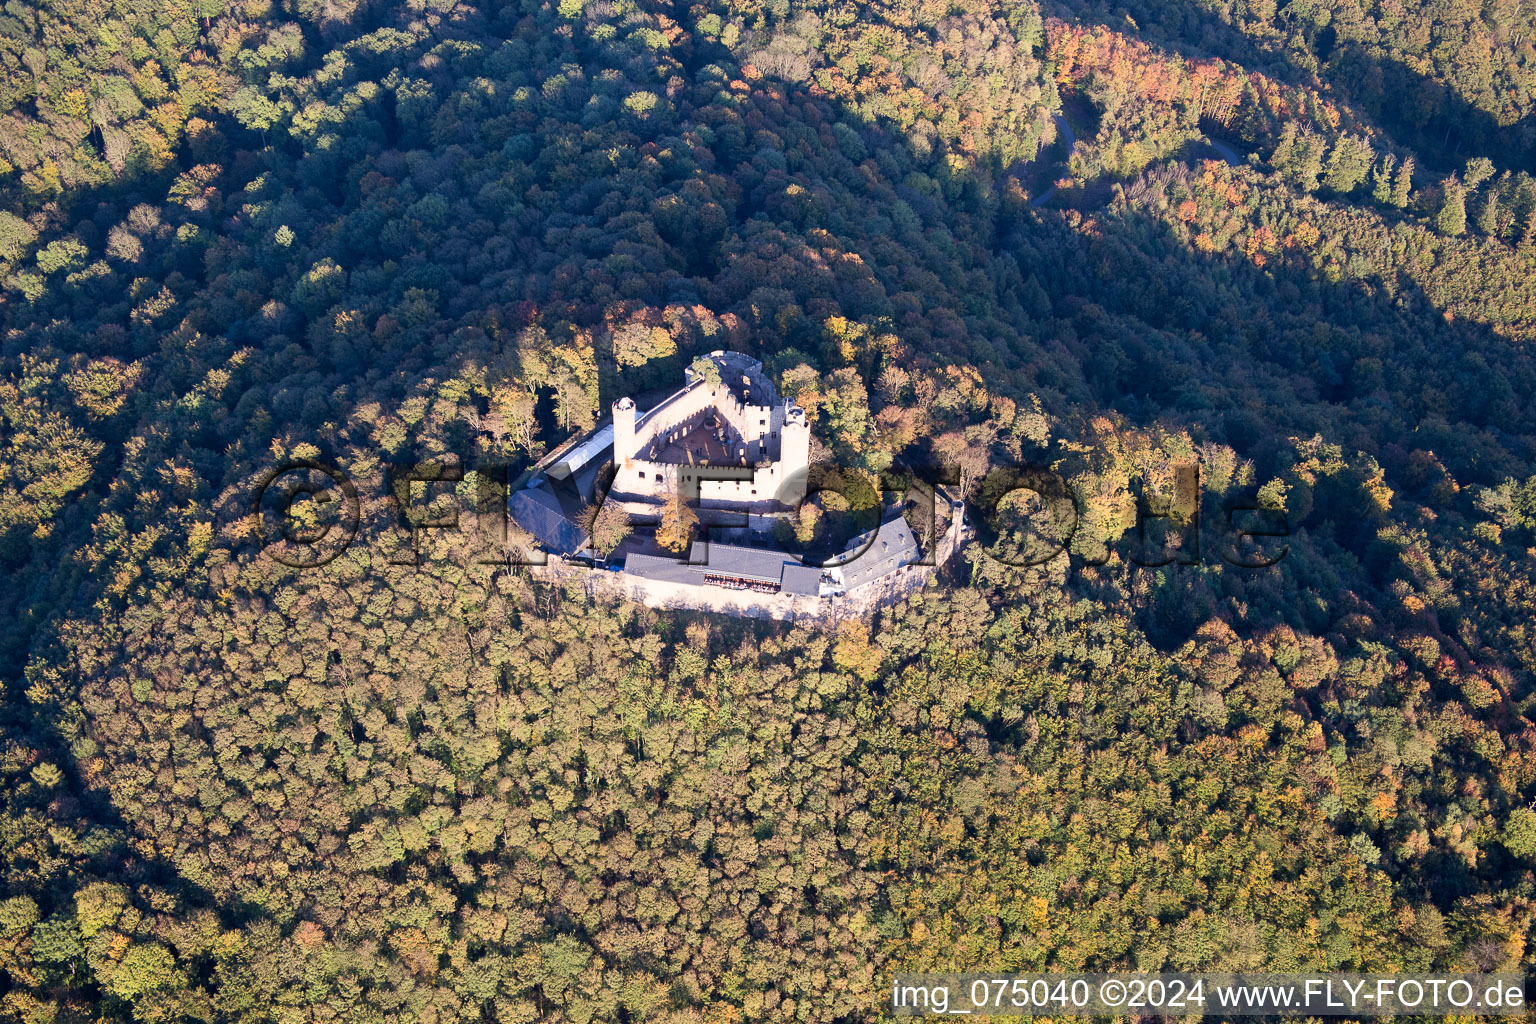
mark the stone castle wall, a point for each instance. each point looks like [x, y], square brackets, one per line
[856, 604]
[759, 426]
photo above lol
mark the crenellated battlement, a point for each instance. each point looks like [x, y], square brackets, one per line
[740, 422]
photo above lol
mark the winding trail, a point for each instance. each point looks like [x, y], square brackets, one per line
[1225, 151]
[1071, 138]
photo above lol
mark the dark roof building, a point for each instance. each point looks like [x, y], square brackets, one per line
[540, 510]
[735, 566]
[876, 553]
[868, 557]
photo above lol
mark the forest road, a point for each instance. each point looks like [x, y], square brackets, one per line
[1225, 151]
[1071, 137]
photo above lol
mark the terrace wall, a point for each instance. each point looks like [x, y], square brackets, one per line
[661, 594]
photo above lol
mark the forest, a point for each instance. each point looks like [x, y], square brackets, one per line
[1285, 250]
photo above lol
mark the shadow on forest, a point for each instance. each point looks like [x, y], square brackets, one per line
[1430, 117]
[1135, 320]
[1144, 323]
[1439, 124]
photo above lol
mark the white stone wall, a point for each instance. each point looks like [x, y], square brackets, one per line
[625, 416]
[858, 603]
[775, 444]
[642, 479]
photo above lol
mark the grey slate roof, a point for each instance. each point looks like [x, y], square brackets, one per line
[540, 511]
[736, 560]
[868, 557]
[875, 553]
[660, 567]
[717, 558]
[802, 579]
